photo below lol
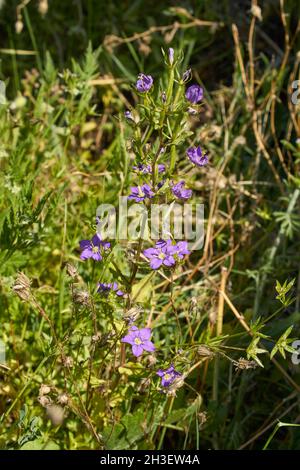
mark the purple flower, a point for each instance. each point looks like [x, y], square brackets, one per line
[196, 156]
[162, 254]
[147, 169]
[168, 375]
[180, 191]
[194, 94]
[139, 340]
[105, 288]
[144, 83]
[171, 55]
[139, 193]
[182, 249]
[92, 248]
[161, 168]
[187, 75]
[128, 115]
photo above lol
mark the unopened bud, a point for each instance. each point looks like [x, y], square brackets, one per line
[55, 414]
[63, 399]
[44, 390]
[19, 26]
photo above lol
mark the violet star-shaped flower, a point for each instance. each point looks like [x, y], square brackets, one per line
[180, 191]
[105, 288]
[140, 193]
[161, 254]
[196, 156]
[144, 83]
[92, 248]
[194, 94]
[168, 375]
[139, 340]
[147, 169]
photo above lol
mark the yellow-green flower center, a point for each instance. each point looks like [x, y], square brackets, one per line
[161, 256]
[167, 376]
[137, 341]
[95, 249]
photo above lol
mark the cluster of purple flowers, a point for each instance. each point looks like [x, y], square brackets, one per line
[165, 253]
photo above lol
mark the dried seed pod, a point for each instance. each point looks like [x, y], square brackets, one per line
[132, 314]
[44, 390]
[204, 351]
[56, 414]
[245, 364]
[81, 297]
[19, 26]
[45, 400]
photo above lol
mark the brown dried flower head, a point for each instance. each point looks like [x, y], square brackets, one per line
[21, 286]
